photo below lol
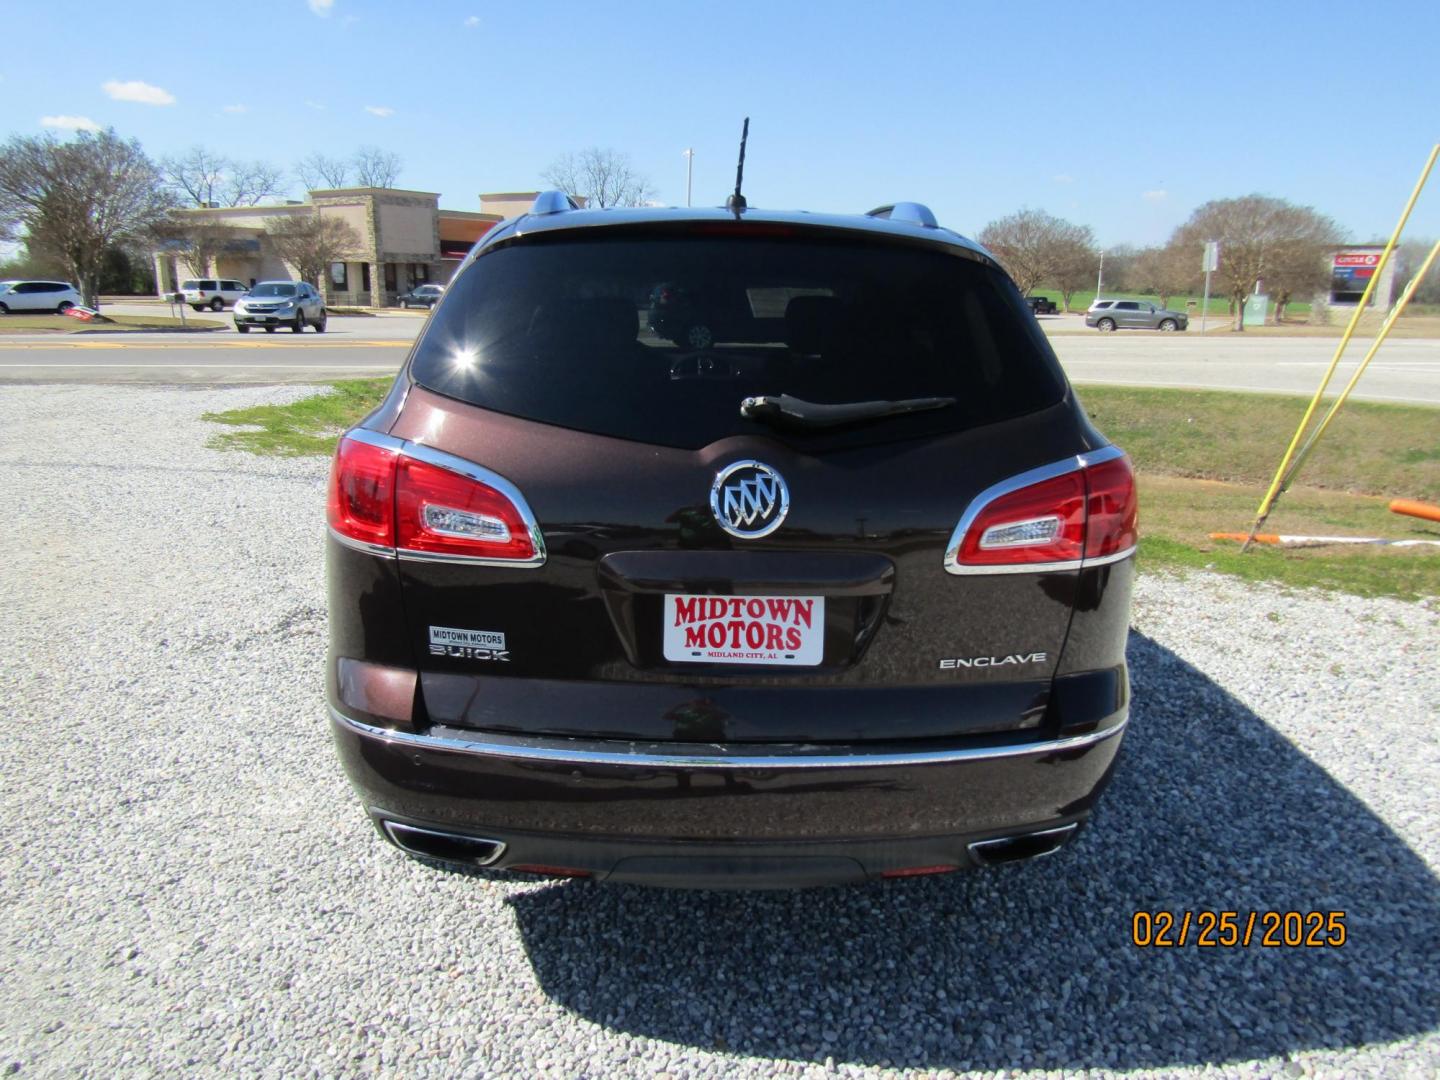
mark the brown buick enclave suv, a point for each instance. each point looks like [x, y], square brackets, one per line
[834, 585]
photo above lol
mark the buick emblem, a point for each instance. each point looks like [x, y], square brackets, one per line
[749, 499]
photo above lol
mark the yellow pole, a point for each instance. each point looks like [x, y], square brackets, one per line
[1398, 310]
[1269, 501]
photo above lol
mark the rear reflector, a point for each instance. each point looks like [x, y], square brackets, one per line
[1057, 517]
[422, 503]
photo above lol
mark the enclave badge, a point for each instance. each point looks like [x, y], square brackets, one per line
[749, 499]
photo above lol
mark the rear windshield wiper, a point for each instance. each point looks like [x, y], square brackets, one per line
[783, 409]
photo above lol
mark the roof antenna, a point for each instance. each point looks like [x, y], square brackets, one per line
[736, 202]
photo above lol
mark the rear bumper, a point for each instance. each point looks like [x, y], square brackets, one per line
[686, 814]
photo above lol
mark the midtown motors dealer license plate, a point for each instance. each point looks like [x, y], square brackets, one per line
[780, 630]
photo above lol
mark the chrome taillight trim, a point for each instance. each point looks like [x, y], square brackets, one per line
[1014, 483]
[566, 752]
[471, 471]
[360, 545]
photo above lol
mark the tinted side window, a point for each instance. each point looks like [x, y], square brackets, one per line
[208, 286]
[27, 287]
[659, 339]
[1127, 305]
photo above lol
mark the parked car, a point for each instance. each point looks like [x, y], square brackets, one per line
[1107, 315]
[273, 304]
[844, 595]
[1042, 305]
[213, 293]
[426, 296]
[56, 296]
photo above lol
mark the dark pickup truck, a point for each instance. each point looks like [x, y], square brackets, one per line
[1042, 305]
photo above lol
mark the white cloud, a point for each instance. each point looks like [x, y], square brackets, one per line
[315, 105]
[379, 110]
[1158, 195]
[321, 7]
[473, 20]
[69, 123]
[236, 108]
[138, 91]
[1063, 178]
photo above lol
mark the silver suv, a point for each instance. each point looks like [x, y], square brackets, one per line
[1107, 315]
[273, 304]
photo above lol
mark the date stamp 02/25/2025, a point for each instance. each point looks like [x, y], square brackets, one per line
[1238, 929]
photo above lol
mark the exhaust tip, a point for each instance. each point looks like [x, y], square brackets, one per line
[443, 846]
[1031, 845]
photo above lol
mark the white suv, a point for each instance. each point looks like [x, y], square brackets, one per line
[214, 293]
[54, 296]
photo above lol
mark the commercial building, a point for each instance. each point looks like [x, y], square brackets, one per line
[406, 240]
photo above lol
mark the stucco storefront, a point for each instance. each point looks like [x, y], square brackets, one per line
[406, 240]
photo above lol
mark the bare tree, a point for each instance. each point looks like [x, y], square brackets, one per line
[1259, 236]
[1031, 244]
[201, 240]
[318, 172]
[1119, 267]
[1408, 257]
[311, 241]
[248, 182]
[1300, 265]
[1076, 261]
[196, 176]
[602, 177]
[75, 199]
[1165, 271]
[376, 168]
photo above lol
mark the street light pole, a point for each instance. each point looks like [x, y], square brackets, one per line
[1100, 275]
[689, 172]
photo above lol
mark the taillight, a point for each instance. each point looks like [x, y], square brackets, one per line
[1050, 519]
[362, 493]
[440, 511]
[420, 503]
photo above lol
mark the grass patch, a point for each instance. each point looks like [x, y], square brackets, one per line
[24, 324]
[1203, 458]
[1371, 448]
[310, 426]
[1219, 305]
[1177, 516]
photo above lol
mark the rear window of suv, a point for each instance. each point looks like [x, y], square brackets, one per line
[659, 339]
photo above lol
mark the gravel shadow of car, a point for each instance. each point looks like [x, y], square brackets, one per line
[1032, 965]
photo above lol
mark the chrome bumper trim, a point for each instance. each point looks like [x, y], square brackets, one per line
[555, 751]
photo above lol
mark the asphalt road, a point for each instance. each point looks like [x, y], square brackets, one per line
[352, 346]
[1406, 370]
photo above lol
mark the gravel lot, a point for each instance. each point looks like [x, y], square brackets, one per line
[189, 885]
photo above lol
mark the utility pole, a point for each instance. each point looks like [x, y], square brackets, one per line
[1100, 276]
[689, 172]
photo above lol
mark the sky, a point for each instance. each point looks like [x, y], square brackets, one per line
[1123, 117]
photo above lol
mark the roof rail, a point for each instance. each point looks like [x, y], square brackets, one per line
[553, 202]
[913, 212]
